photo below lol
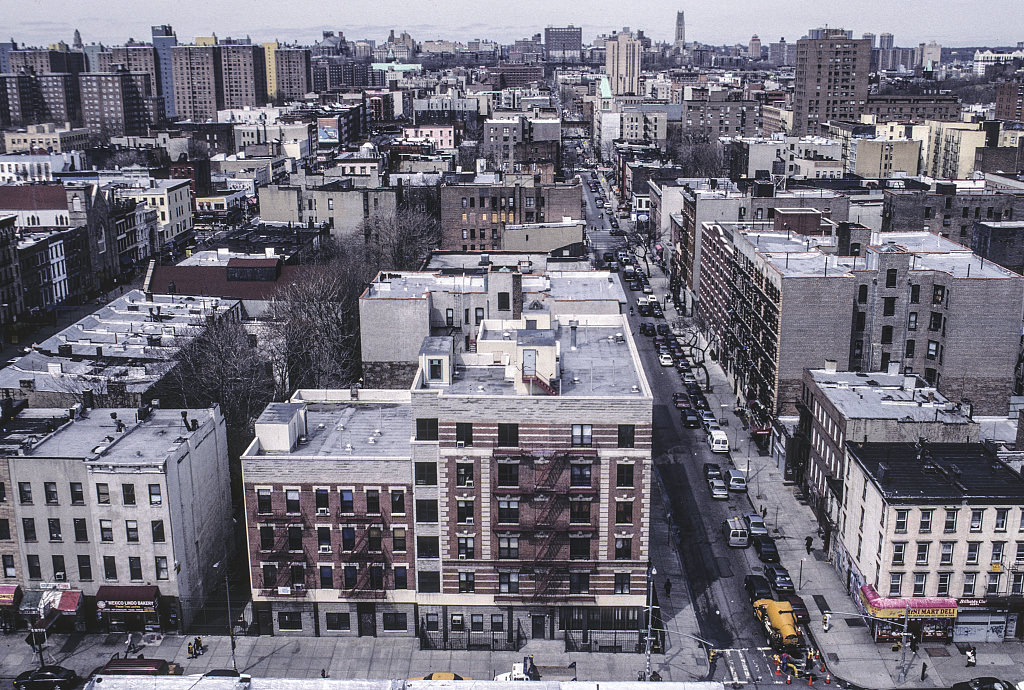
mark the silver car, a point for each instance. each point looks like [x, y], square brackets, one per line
[718, 489]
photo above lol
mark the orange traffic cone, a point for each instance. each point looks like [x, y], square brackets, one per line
[822, 666]
[810, 679]
[789, 679]
[778, 670]
[828, 678]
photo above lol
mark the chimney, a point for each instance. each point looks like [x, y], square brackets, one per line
[88, 399]
[893, 369]
[909, 383]
[830, 366]
[572, 334]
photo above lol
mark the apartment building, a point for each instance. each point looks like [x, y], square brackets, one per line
[949, 208]
[722, 113]
[1010, 101]
[444, 512]
[831, 80]
[911, 298]
[934, 527]
[171, 199]
[198, 82]
[49, 136]
[474, 213]
[840, 407]
[43, 60]
[122, 505]
[563, 43]
[293, 77]
[245, 75]
[913, 109]
[119, 103]
[37, 98]
[164, 39]
[138, 58]
[622, 63]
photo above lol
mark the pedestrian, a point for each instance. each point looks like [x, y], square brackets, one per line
[972, 658]
[199, 645]
[764, 511]
[668, 587]
[191, 651]
[323, 673]
[807, 543]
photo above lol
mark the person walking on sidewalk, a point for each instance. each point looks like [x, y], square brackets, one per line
[972, 657]
[808, 542]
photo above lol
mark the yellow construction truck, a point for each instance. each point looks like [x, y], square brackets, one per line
[780, 625]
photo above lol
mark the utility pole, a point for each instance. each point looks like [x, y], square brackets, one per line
[904, 643]
[650, 622]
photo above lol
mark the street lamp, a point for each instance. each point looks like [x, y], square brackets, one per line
[650, 621]
[231, 621]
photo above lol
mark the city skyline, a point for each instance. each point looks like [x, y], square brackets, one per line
[727, 22]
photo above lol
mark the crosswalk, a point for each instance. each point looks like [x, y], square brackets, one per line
[759, 665]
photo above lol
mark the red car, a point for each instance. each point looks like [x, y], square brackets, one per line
[800, 611]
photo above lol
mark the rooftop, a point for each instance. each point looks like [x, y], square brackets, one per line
[939, 472]
[526, 262]
[878, 395]
[355, 428]
[555, 286]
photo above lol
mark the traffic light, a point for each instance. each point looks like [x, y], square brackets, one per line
[826, 621]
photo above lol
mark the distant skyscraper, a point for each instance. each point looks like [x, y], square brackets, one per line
[754, 49]
[77, 41]
[680, 30]
[622, 63]
[831, 80]
[198, 82]
[5, 55]
[870, 37]
[885, 41]
[245, 75]
[163, 40]
[563, 43]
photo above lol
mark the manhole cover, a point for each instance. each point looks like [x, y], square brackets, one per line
[832, 657]
[937, 651]
[855, 623]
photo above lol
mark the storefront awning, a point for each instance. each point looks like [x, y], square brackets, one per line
[138, 598]
[30, 602]
[69, 601]
[43, 624]
[10, 595]
[897, 607]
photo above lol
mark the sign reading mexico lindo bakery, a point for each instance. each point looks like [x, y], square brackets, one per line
[126, 605]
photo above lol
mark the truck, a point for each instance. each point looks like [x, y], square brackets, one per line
[527, 670]
[780, 625]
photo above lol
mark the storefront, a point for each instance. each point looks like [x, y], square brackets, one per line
[930, 618]
[10, 598]
[59, 611]
[129, 608]
[989, 619]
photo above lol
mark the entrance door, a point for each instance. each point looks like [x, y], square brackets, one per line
[367, 619]
[529, 362]
[539, 625]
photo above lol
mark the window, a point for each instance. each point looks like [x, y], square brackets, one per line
[77, 494]
[290, 620]
[998, 547]
[504, 301]
[946, 553]
[372, 502]
[134, 568]
[508, 510]
[84, 568]
[426, 429]
[5, 529]
[464, 511]
[323, 538]
[922, 552]
[478, 315]
[977, 516]
[969, 581]
[34, 571]
[464, 474]
[106, 530]
[398, 503]
[476, 622]
[28, 529]
[895, 584]
[25, 493]
[398, 544]
[899, 552]
[295, 539]
[508, 474]
[579, 475]
[909, 350]
[950, 525]
[938, 294]
[497, 622]
[915, 294]
[919, 583]
[888, 306]
[890, 278]
[926, 521]
[886, 335]
[623, 548]
[623, 512]
[157, 527]
[401, 577]
[298, 575]
[467, 582]
[508, 583]
[435, 369]
[427, 547]
[426, 474]
[579, 583]
[579, 512]
[266, 538]
[582, 435]
[1016, 588]
[627, 434]
[1019, 558]
[131, 530]
[862, 294]
[50, 493]
[109, 568]
[155, 495]
[128, 494]
[935, 321]
[942, 590]
[508, 547]
[458, 622]
[338, 621]
[912, 321]
[973, 552]
[624, 476]
[262, 500]
[1002, 515]
[426, 510]
[429, 581]
[508, 435]
[326, 573]
[270, 576]
[993, 584]
[579, 547]
[464, 433]
[291, 501]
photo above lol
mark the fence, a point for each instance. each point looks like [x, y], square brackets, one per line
[603, 641]
[495, 640]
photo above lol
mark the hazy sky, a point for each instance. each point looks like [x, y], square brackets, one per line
[950, 22]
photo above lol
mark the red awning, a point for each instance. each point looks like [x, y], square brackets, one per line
[69, 601]
[43, 624]
[9, 595]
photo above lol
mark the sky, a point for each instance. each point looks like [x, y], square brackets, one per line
[950, 22]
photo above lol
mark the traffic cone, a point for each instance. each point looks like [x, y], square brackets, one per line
[789, 679]
[828, 678]
[822, 666]
[810, 679]
[778, 670]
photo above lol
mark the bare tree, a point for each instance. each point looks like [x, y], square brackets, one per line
[400, 240]
[695, 152]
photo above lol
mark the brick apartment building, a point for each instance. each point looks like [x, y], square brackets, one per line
[1010, 101]
[831, 80]
[445, 512]
[474, 213]
[949, 209]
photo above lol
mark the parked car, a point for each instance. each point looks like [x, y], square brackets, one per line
[647, 289]
[800, 611]
[662, 329]
[647, 328]
[707, 418]
[688, 377]
[665, 359]
[633, 285]
[780, 580]
[712, 471]
[608, 257]
[755, 524]
[645, 310]
[693, 389]
[682, 402]
[690, 419]
[46, 678]
[718, 489]
[985, 683]
[659, 340]
[656, 311]
[765, 548]
[757, 587]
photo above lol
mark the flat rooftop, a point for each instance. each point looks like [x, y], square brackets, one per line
[70, 376]
[555, 285]
[859, 395]
[340, 429]
[941, 472]
[538, 263]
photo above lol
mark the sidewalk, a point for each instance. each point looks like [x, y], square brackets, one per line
[847, 648]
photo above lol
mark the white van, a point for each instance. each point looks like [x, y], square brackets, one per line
[736, 532]
[642, 300]
[718, 441]
[736, 480]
